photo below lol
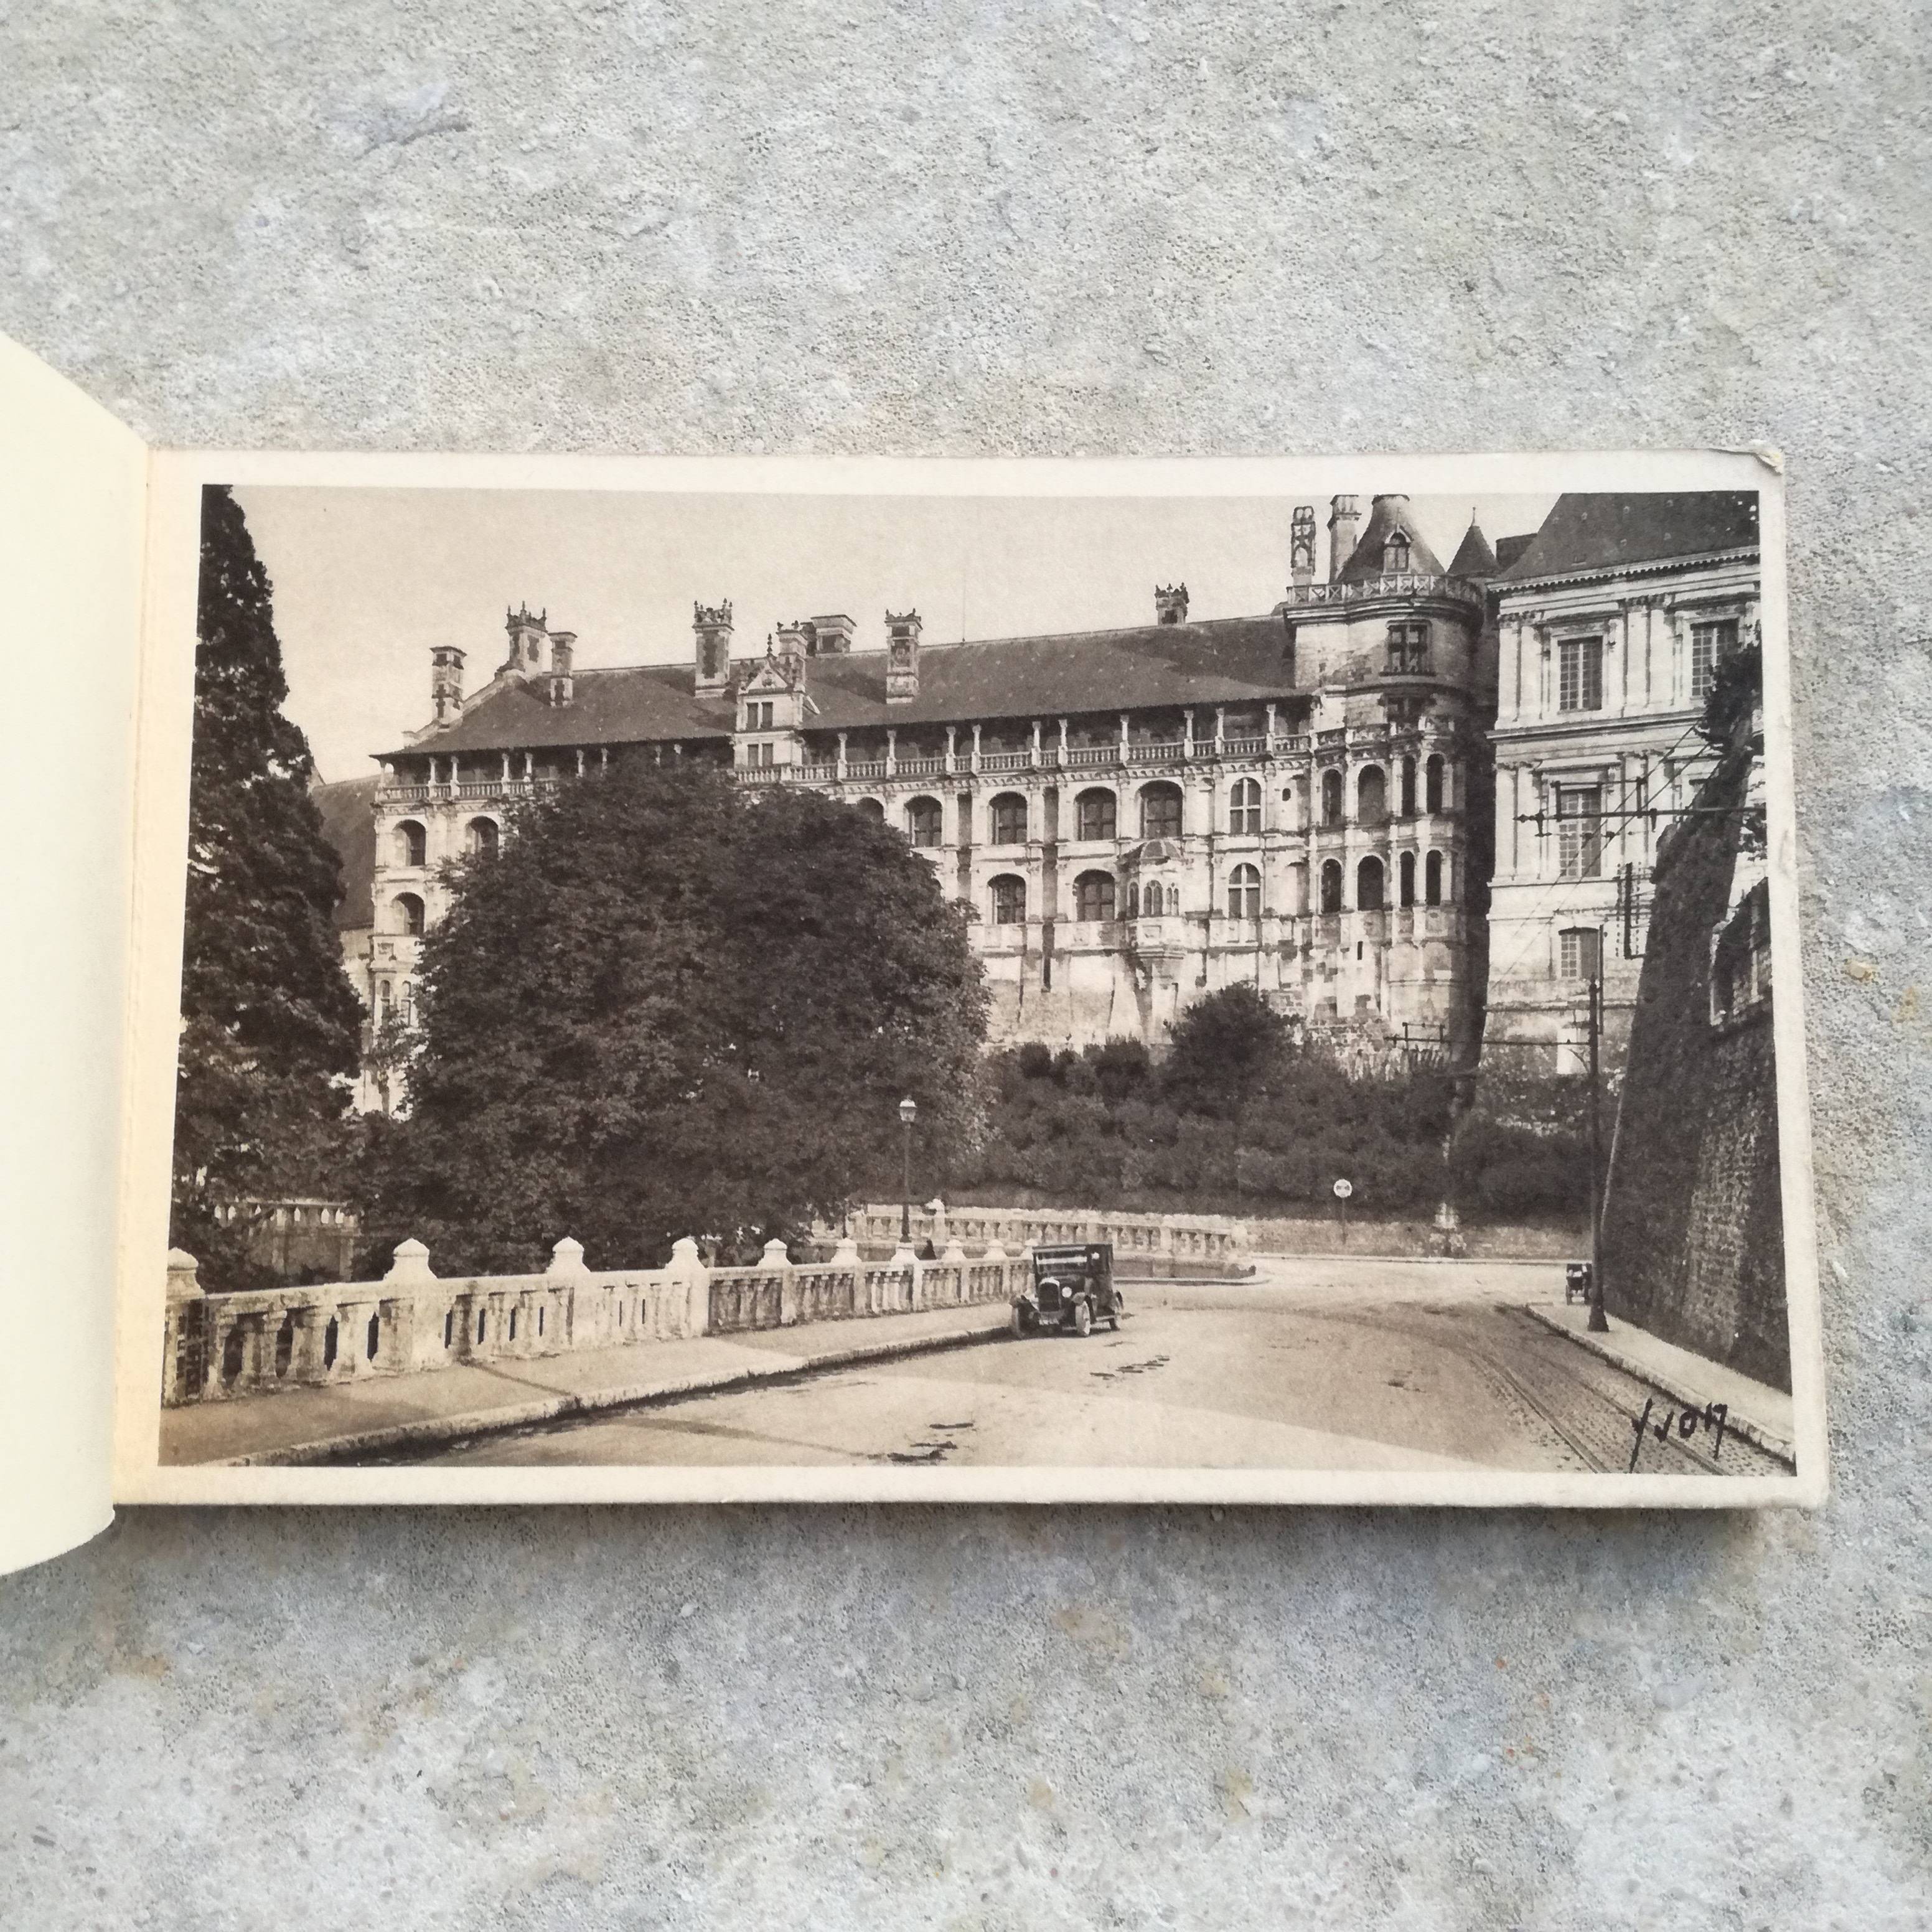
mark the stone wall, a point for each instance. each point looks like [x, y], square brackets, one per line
[1693, 1241]
[217, 1347]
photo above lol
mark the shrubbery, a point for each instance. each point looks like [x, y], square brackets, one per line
[1238, 1116]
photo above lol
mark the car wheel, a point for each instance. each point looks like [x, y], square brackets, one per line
[1083, 1318]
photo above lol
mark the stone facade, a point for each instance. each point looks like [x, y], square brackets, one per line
[1135, 818]
[1609, 626]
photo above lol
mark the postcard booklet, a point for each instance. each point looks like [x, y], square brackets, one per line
[651, 980]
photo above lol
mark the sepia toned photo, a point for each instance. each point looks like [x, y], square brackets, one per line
[875, 992]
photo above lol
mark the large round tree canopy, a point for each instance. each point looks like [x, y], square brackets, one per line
[665, 1010]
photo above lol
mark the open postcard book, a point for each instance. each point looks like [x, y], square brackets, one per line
[577, 979]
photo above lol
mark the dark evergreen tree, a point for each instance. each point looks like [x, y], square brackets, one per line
[270, 1023]
[663, 1010]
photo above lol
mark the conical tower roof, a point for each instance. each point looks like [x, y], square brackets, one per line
[1474, 557]
[1390, 516]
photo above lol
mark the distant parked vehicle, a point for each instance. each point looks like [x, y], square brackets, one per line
[1073, 1288]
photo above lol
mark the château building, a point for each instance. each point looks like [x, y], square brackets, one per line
[1611, 623]
[1305, 801]
[1296, 800]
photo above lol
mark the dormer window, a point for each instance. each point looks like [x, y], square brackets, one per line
[761, 715]
[1395, 553]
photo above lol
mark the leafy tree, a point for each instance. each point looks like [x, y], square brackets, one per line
[664, 1011]
[269, 1022]
[1223, 1050]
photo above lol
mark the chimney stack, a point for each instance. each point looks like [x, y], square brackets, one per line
[711, 630]
[1345, 520]
[446, 683]
[901, 656]
[561, 685]
[526, 640]
[1170, 603]
[834, 634]
[1301, 544]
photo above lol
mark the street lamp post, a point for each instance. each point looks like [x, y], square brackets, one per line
[908, 1113]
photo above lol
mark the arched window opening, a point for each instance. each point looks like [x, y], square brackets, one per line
[410, 915]
[1431, 880]
[1244, 893]
[1094, 815]
[373, 1336]
[412, 844]
[1408, 787]
[1153, 901]
[485, 839]
[1331, 797]
[1406, 876]
[1160, 811]
[1244, 807]
[1395, 552]
[285, 1345]
[1369, 886]
[872, 808]
[1331, 885]
[1434, 788]
[1007, 819]
[1093, 895]
[1372, 796]
[1009, 900]
[329, 1344]
[922, 821]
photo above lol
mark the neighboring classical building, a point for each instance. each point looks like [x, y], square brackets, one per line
[1298, 801]
[1610, 622]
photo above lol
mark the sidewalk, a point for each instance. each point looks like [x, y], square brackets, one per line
[1760, 1414]
[382, 1413]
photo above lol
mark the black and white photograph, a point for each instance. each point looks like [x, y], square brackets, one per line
[1123, 989]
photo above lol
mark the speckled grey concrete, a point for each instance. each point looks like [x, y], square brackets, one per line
[1045, 227]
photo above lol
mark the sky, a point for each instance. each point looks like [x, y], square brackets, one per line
[366, 581]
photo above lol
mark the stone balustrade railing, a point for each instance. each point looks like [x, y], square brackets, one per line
[221, 1345]
[1204, 1241]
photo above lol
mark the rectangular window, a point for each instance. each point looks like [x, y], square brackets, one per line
[1408, 647]
[1581, 951]
[1710, 645]
[1579, 674]
[1580, 831]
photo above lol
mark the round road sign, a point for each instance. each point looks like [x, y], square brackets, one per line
[1343, 1189]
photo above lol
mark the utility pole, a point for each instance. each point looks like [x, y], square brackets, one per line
[1599, 1324]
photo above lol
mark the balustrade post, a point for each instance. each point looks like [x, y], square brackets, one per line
[304, 1345]
[688, 1289]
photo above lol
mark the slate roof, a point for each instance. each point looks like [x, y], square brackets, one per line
[1387, 515]
[1474, 557]
[1221, 660]
[1588, 534]
[348, 809]
[1508, 549]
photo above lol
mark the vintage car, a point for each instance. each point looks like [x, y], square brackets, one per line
[1073, 1288]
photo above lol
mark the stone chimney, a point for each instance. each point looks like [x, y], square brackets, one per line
[901, 657]
[1345, 522]
[1301, 544]
[526, 640]
[834, 634]
[711, 630]
[446, 683]
[1170, 603]
[796, 643]
[559, 686]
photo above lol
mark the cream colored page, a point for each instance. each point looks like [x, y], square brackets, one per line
[73, 494]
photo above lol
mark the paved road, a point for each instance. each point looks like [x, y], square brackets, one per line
[1318, 1364]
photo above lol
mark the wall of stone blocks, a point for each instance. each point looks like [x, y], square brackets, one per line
[693, 225]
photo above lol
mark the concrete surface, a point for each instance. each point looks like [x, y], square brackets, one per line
[1056, 227]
